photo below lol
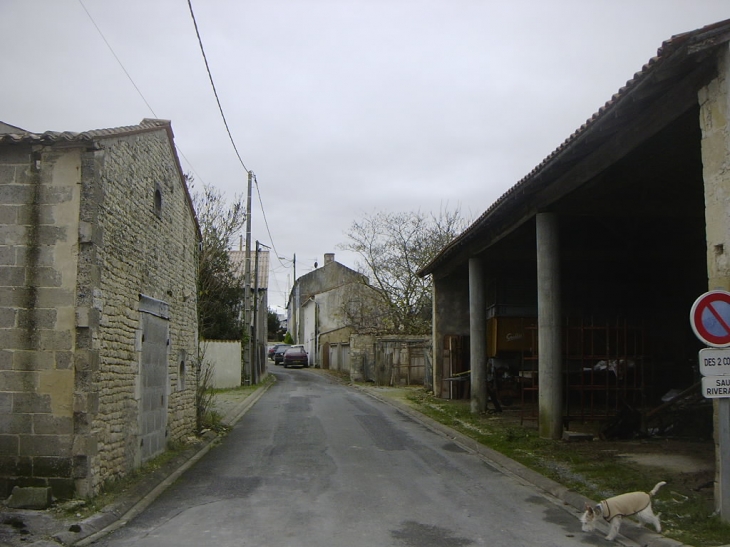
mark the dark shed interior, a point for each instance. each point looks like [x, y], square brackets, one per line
[627, 193]
[632, 263]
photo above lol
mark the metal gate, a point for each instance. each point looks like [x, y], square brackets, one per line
[153, 378]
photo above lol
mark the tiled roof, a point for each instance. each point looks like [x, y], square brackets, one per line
[51, 137]
[681, 46]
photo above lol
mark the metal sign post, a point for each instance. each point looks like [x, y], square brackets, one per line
[710, 320]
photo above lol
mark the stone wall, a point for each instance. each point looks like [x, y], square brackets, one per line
[139, 240]
[362, 357]
[88, 227]
[715, 123]
[39, 197]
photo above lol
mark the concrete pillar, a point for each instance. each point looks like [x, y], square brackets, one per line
[714, 102]
[477, 336]
[549, 327]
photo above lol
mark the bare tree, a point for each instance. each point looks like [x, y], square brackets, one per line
[393, 247]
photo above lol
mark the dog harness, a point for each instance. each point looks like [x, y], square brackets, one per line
[625, 504]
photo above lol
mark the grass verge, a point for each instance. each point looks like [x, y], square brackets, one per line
[596, 470]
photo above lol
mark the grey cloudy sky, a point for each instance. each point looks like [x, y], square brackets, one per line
[340, 107]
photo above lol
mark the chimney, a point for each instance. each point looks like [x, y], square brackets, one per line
[329, 257]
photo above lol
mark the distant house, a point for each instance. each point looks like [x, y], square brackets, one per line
[98, 321]
[327, 305]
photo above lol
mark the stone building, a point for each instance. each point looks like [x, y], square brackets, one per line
[98, 322]
[326, 306]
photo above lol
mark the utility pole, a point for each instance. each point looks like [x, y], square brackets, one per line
[248, 355]
[295, 306]
[257, 362]
[255, 334]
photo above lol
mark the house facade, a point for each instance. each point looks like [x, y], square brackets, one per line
[576, 285]
[98, 320]
[324, 308]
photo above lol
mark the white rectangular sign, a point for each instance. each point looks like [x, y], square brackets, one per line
[715, 387]
[715, 362]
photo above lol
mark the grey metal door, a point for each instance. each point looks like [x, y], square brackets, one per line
[154, 383]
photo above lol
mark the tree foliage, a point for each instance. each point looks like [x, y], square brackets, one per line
[220, 287]
[393, 247]
[275, 330]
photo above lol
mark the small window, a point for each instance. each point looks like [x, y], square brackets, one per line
[158, 202]
[181, 377]
[181, 371]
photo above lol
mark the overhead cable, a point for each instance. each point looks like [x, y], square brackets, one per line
[129, 77]
[212, 83]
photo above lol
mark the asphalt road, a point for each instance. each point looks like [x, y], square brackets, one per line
[316, 463]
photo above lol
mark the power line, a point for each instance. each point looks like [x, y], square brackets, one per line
[266, 222]
[117, 58]
[220, 109]
[129, 77]
[212, 83]
[228, 130]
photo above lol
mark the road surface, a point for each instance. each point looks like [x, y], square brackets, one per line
[316, 463]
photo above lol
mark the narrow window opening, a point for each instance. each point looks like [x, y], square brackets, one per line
[158, 202]
[181, 376]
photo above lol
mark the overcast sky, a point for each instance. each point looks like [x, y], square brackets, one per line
[340, 107]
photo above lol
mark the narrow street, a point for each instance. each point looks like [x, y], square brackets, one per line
[319, 463]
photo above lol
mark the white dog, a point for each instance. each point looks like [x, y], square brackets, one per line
[614, 509]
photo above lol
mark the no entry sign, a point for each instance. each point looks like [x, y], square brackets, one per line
[710, 318]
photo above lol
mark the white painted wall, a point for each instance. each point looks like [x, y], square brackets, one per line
[225, 358]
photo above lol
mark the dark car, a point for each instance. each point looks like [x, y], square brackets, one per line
[296, 355]
[273, 348]
[279, 353]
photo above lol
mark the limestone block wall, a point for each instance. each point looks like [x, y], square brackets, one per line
[39, 202]
[362, 357]
[90, 226]
[139, 239]
[714, 102]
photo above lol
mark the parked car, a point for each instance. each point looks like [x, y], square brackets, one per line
[296, 355]
[274, 347]
[279, 353]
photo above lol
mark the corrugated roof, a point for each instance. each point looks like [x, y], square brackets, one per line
[238, 260]
[681, 46]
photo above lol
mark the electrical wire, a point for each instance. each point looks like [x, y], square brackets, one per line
[266, 222]
[131, 80]
[212, 83]
[228, 130]
[117, 58]
[220, 109]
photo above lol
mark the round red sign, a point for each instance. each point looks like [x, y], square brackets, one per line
[710, 318]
